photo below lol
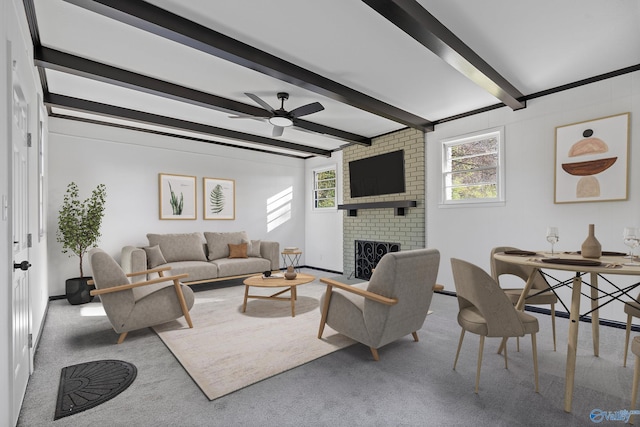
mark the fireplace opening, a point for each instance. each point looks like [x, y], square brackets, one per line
[368, 254]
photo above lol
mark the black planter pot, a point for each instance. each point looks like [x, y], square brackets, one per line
[78, 290]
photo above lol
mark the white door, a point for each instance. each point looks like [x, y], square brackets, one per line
[20, 230]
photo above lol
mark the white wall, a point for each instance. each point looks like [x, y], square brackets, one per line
[470, 233]
[323, 228]
[128, 164]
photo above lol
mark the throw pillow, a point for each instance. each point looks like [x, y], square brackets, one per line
[179, 247]
[154, 256]
[238, 251]
[254, 249]
[218, 243]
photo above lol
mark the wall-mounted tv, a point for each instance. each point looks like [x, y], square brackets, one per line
[373, 176]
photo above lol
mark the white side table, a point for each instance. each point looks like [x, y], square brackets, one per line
[291, 258]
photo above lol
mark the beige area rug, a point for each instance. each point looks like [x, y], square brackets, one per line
[227, 350]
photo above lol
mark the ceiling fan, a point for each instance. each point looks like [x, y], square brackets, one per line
[282, 118]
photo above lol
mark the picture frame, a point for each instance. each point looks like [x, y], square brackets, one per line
[219, 198]
[177, 196]
[591, 160]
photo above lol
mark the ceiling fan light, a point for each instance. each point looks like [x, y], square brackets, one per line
[281, 121]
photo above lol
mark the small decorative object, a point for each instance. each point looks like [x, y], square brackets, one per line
[290, 274]
[79, 230]
[591, 247]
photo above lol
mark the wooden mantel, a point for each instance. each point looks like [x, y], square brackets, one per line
[399, 206]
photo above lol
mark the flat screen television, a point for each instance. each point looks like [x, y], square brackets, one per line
[373, 176]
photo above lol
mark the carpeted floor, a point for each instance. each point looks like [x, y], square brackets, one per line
[413, 384]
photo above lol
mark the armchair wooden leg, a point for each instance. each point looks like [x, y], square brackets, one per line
[506, 364]
[534, 350]
[626, 340]
[480, 362]
[122, 337]
[374, 352]
[183, 303]
[325, 310]
[455, 362]
[415, 336]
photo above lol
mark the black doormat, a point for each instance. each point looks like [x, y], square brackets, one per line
[87, 385]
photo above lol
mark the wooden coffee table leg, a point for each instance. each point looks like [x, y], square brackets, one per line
[294, 296]
[246, 294]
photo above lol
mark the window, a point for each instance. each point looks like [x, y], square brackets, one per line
[473, 168]
[324, 188]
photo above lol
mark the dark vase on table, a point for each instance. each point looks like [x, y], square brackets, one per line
[78, 290]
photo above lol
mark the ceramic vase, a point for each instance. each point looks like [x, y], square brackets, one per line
[290, 274]
[591, 247]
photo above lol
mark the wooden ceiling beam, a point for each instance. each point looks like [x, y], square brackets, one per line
[160, 22]
[417, 22]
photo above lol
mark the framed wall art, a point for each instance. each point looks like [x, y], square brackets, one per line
[177, 196]
[219, 198]
[591, 160]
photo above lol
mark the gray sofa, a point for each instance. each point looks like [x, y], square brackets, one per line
[206, 257]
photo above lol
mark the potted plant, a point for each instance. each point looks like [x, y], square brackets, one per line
[79, 230]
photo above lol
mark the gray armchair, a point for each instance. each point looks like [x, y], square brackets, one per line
[138, 305]
[394, 303]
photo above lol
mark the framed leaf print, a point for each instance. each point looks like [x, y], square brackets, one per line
[177, 196]
[219, 198]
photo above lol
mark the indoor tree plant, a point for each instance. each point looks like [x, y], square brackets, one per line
[79, 230]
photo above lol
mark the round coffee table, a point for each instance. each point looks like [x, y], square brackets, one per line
[276, 282]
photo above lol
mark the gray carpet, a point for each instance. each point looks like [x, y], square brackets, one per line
[413, 384]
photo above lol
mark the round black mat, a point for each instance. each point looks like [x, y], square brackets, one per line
[89, 384]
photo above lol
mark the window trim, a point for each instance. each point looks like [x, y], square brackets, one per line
[500, 169]
[315, 172]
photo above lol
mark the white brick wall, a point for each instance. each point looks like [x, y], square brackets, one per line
[381, 224]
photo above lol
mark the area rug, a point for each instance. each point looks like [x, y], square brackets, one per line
[227, 350]
[86, 385]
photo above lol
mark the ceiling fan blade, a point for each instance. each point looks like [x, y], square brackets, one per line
[259, 101]
[277, 131]
[306, 109]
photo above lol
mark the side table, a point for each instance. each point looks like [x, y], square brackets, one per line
[291, 258]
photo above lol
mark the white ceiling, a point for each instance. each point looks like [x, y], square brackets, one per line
[535, 46]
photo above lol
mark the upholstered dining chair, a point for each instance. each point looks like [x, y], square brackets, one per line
[485, 310]
[632, 308]
[539, 294]
[138, 305]
[392, 304]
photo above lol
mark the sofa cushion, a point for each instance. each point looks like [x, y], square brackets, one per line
[218, 243]
[253, 249]
[154, 256]
[197, 270]
[179, 247]
[238, 251]
[237, 267]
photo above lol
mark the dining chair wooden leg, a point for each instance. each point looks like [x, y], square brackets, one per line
[534, 350]
[506, 364]
[415, 336]
[553, 324]
[374, 353]
[459, 346]
[480, 362]
[634, 387]
[626, 340]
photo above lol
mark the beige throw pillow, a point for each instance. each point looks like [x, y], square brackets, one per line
[238, 251]
[254, 249]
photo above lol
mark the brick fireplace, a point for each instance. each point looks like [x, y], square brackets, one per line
[383, 225]
[368, 255]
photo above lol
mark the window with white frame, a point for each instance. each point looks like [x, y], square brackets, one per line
[473, 168]
[324, 188]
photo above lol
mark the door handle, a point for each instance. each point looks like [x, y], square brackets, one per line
[24, 265]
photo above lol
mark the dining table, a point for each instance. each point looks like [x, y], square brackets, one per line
[610, 263]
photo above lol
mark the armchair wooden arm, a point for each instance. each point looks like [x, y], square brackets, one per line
[158, 270]
[138, 284]
[357, 291]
